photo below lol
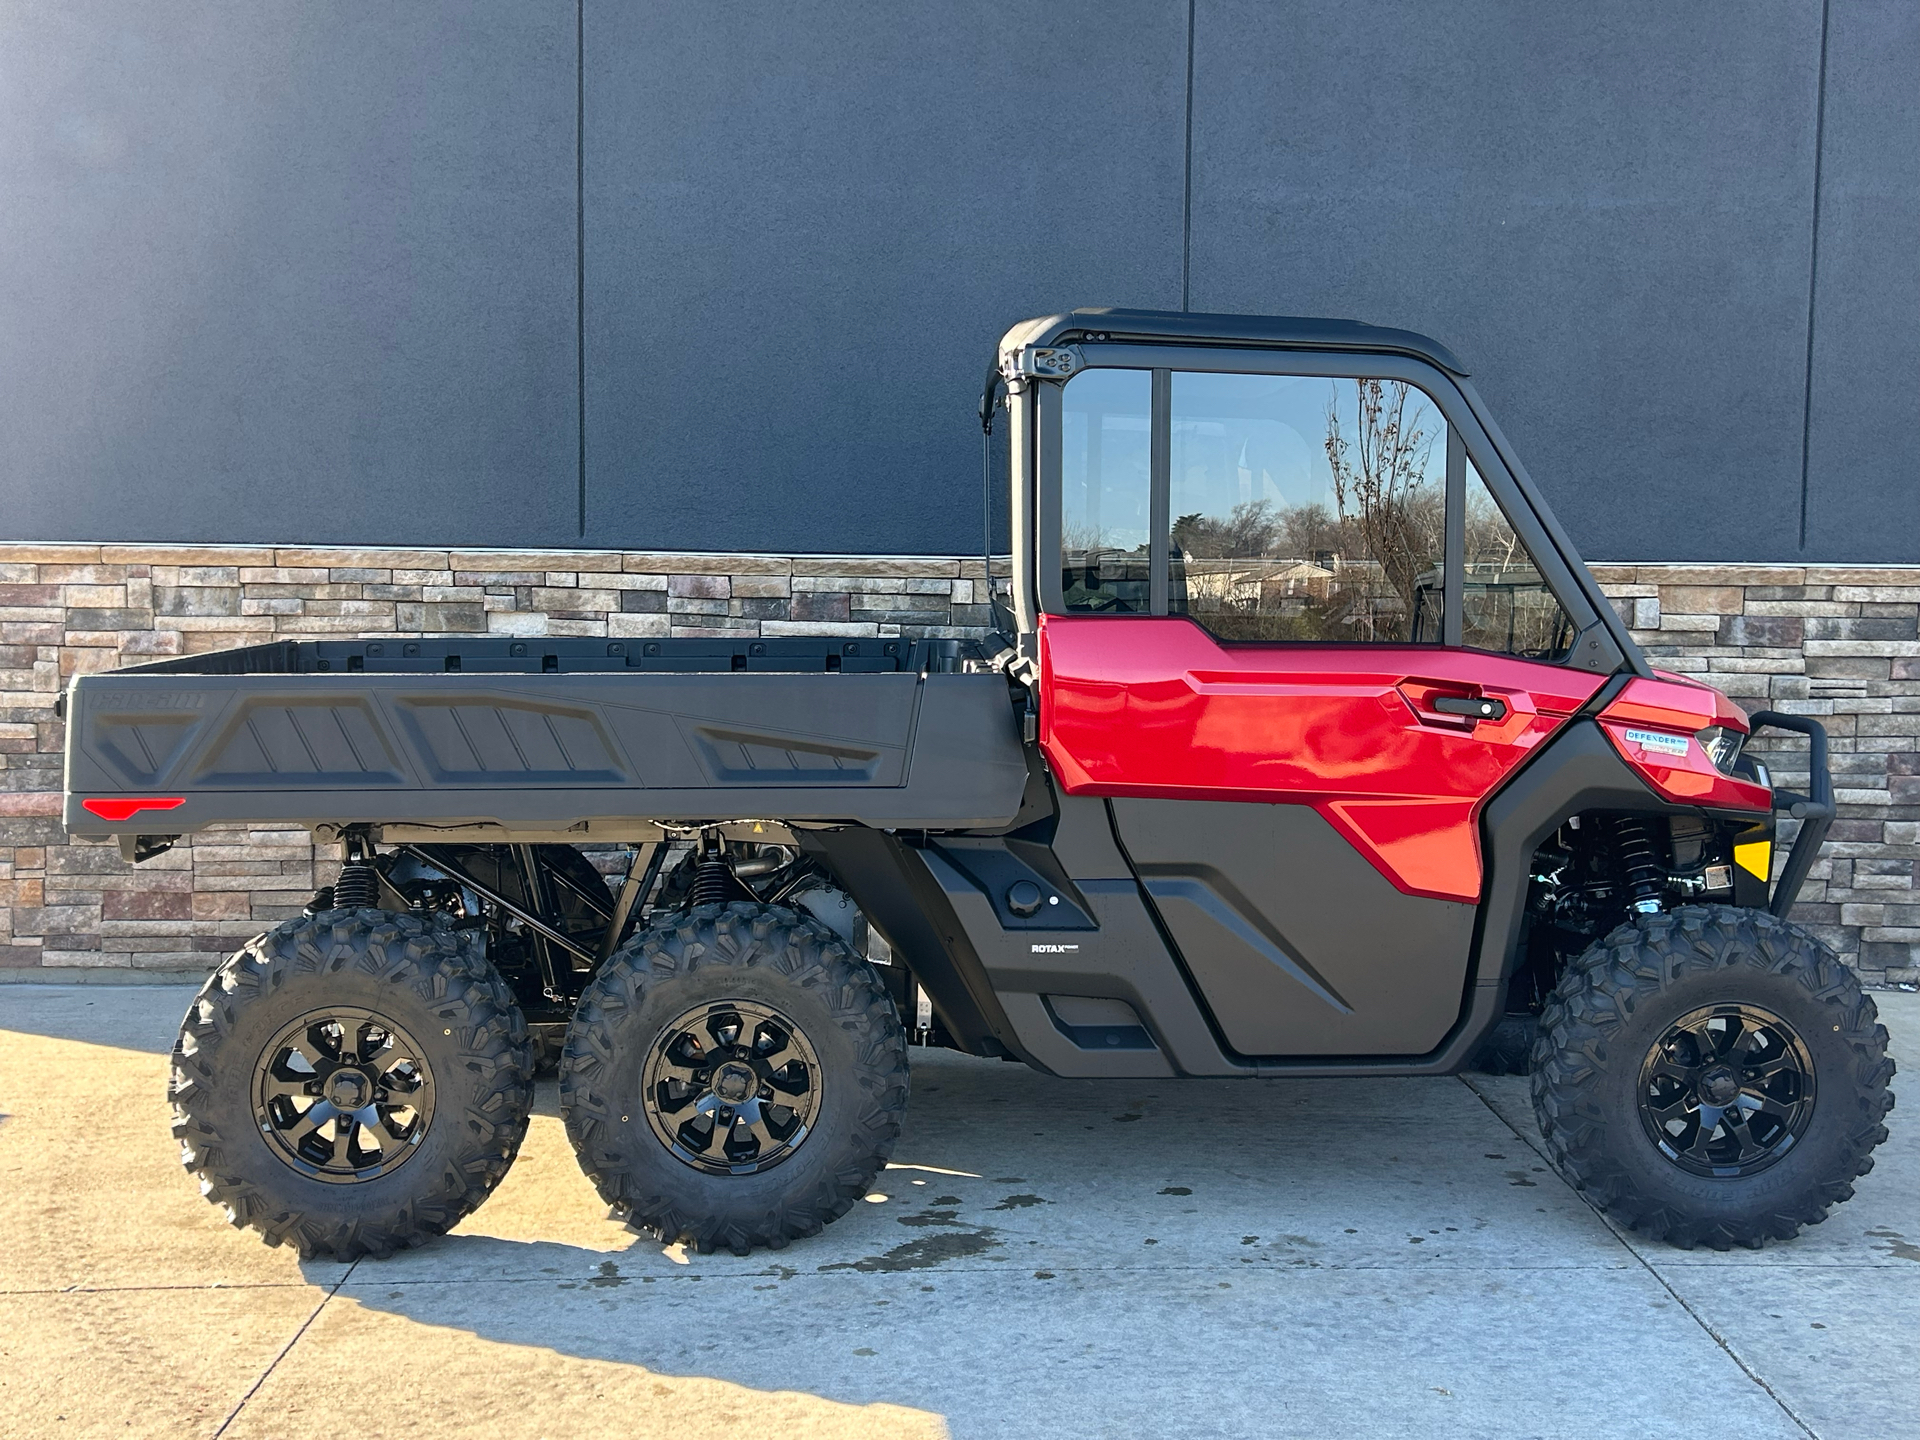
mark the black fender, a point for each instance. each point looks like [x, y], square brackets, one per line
[1577, 770]
[898, 896]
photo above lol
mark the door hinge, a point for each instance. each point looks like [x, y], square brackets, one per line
[1046, 362]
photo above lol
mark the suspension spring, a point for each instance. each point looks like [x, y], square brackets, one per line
[1633, 847]
[713, 878]
[358, 887]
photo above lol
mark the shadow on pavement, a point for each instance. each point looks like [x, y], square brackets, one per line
[127, 1017]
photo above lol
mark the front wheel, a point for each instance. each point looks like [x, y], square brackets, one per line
[1713, 1076]
[352, 1083]
[734, 1078]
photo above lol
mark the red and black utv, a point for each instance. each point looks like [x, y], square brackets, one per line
[1307, 747]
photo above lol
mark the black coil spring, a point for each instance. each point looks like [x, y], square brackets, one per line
[1634, 848]
[358, 888]
[713, 882]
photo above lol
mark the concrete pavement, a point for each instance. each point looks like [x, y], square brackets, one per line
[1368, 1258]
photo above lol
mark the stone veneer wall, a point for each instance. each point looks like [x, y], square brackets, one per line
[1837, 643]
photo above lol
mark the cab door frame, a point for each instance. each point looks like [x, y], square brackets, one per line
[1601, 643]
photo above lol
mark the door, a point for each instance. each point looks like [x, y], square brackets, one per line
[1297, 643]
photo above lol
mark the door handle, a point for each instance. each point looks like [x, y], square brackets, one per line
[1474, 707]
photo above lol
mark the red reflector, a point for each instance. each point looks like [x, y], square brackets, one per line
[127, 809]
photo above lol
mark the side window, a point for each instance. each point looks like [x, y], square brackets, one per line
[1505, 605]
[1106, 491]
[1307, 508]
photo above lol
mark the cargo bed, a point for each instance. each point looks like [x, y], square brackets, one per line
[499, 738]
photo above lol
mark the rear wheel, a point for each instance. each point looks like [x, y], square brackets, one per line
[1712, 1077]
[352, 1083]
[1508, 1048]
[735, 1079]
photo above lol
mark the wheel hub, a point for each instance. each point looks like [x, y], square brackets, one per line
[1726, 1091]
[734, 1082]
[343, 1095]
[731, 1087]
[347, 1089]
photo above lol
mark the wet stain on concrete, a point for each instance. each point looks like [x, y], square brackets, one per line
[1020, 1202]
[944, 1200]
[930, 1217]
[1130, 1115]
[1176, 1190]
[1249, 1239]
[1519, 1177]
[1897, 1244]
[608, 1277]
[1009, 1179]
[924, 1254]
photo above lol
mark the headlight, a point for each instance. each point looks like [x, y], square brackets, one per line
[1722, 746]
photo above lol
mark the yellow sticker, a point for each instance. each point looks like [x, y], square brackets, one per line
[1756, 858]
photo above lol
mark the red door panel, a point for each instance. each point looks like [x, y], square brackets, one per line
[1157, 708]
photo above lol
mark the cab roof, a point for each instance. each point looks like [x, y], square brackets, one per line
[1185, 328]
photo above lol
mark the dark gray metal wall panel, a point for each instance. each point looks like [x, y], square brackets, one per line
[1864, 450]
[1606, 210]
[288, 272]
[808, 225]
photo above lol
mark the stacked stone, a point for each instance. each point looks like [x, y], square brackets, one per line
[1839, 644]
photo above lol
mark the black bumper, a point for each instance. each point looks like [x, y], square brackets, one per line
[1814, 811]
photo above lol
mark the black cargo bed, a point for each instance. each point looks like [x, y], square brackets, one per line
[545, 735]
[505, 655]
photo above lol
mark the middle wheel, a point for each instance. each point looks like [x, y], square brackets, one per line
[734, 1078]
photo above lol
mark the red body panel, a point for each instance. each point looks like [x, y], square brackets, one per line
[1157, 708]
[1672, 708]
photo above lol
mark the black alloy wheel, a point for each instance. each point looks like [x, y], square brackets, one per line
[343, 1095]
[734, 1077]
[731, 1087]
[1712, 1076]
[353, 1082]
[1727, 1091]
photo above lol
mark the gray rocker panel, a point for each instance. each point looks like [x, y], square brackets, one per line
[1299, 946]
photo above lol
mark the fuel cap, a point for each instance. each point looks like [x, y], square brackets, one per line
[1023, 898]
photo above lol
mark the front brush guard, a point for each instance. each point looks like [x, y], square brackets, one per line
[1814, 812]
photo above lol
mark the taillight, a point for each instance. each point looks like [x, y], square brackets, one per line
[118, 810]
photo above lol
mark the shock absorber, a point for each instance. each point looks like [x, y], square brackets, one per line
[713, 882]
[1633, 847]
[358, 887]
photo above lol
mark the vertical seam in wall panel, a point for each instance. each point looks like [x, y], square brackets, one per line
[1813, 271]
[1186, 198]
[580, 248]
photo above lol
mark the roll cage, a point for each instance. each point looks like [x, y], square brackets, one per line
[1037, 358]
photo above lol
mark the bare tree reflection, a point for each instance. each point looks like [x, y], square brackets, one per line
[1381, 482]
